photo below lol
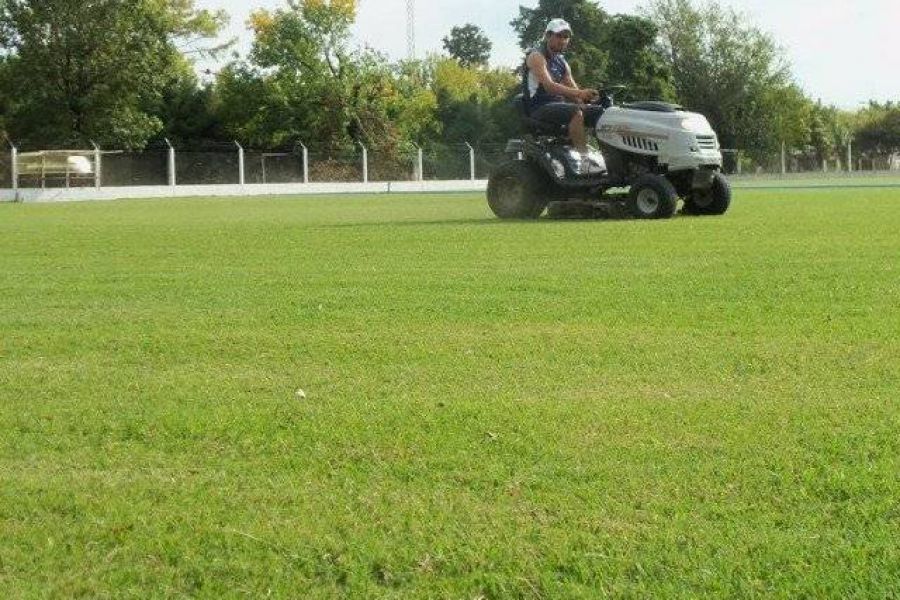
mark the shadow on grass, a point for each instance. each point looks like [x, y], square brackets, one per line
[489, 221]
[593, 215]
[580, 214]
[417, 223]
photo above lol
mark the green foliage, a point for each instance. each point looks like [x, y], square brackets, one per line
[830, 130]
[468, 45]
[879, 128]
[635, 60]
[187, 111]
[94, 70]
[731, 72]
[303, 82]
[413, 104]
[791, 115]
[470, 102]
[119, 72]
[300, 64]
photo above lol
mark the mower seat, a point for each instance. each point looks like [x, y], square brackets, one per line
[535, 126]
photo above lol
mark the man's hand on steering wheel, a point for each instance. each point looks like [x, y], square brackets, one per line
[587, 96]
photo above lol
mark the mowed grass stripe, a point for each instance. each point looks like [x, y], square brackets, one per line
[550, 409]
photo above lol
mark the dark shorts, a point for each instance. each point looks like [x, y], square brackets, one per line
[560, 113]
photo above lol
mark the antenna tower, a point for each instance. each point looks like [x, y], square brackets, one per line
[411, 29]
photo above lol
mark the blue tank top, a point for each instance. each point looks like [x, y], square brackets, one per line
[535, 92]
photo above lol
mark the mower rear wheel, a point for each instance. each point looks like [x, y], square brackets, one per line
[652, 197]
[518, 189]
[712, 201]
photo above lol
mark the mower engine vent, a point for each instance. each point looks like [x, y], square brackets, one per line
[706, 142]
[640, 143]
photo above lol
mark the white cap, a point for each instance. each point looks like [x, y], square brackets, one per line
[558, 26]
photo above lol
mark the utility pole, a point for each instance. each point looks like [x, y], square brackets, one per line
[411, 29]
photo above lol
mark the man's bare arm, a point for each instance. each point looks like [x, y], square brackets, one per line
[569, 81]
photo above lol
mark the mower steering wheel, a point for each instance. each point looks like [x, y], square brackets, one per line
[605, 99]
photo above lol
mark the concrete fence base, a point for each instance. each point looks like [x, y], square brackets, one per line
[272, 189]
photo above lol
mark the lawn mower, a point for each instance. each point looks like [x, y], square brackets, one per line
[650, 154]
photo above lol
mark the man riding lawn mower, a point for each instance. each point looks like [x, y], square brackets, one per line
[657, 150]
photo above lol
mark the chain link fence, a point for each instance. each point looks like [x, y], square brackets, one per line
[69, 165]
[28, 165]
[149, 167]
[6, 171]
[800, 162]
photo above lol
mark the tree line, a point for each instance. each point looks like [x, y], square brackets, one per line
[122, 73]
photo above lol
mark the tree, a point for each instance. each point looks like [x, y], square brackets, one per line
[821, 140]
[413, 105]
[879, 129]
[303, 81]
[299, 80]
[635, 60]
[471, 103]
[731, 72]
[791, 115]
[188, 112]
[468, 45]
[605, 49]
[94, 70]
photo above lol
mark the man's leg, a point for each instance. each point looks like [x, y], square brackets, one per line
[558, 113]
[570, 114]
[576, 131]
[592, 114]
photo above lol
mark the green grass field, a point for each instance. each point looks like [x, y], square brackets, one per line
[694, 407]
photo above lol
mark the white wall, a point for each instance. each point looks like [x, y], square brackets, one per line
[273, 189]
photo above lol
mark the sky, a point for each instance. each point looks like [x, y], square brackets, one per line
[842, 52]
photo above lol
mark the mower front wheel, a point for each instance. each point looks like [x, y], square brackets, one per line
[652, 197]
[518, 189]
[712, 201]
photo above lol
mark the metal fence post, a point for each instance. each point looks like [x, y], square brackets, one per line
[783, 159]
[420, 174]
[471, 161]
[240, 163]
[98, 165]
[14, 168]
[417, 166]
[365, 163]
[172, 181]
[305, 162]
